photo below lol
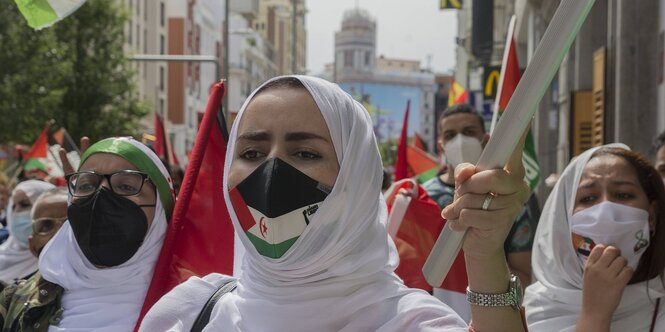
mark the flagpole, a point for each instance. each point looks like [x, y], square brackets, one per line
[554, 45]
[71, 141]
[502, 76]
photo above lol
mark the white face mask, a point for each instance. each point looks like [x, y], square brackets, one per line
[462, 149]
[607, 223]
[20, 226]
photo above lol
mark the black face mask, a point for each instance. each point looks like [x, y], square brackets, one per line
[109, 228]
[283, 200]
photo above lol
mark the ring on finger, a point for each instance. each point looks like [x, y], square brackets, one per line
[488, 201]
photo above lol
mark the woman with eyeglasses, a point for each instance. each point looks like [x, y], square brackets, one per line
[102, 259]
[16, 261]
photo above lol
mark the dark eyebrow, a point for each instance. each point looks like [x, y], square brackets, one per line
[255, 136]
[623, 183]
[302, 136]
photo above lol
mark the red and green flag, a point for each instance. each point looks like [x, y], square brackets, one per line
[510, 76]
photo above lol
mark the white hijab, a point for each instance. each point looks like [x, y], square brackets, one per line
[16, 260]
[554, 301]
[103, 299]
[338, 275]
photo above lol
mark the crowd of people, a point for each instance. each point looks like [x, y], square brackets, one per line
[302, 184]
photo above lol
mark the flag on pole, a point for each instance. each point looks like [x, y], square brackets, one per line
[418, 161]
[419, 229]
[457, 94]
[163, 145]
[418, 142]
[62, 138]
[44, 13]
[200, 237]
[401, 167]
[39, 148]
[508, 80]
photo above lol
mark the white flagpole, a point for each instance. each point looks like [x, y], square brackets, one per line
[556, 42]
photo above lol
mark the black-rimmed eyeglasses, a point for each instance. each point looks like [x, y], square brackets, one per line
[122, 183]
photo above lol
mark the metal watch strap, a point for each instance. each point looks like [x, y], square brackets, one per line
[511, 298]
[490, 300]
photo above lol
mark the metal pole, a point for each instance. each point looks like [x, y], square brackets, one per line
[227, 72]
[294, 48]
[178, 58]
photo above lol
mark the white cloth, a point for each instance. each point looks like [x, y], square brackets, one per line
[338, 276]
[102, 299]
[553, 302]
[16, 260]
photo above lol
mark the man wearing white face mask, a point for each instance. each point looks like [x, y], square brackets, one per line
[462, 137]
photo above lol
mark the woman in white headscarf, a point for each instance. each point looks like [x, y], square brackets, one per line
[598, 255]
[96, 270]
[16, 261]
[303, 186]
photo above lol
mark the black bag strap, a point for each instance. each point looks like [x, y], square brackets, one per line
[204, 316]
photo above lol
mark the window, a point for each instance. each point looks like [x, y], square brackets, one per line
[145, 41]
[161, 14]
[161, 78]
[138, 36]
[145, 10]
[348, 58]
[368, 58]
[131, 30]
[161, 44]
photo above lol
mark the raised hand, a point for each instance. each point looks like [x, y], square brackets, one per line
[606, 274]
[487, 203]
[66, 165]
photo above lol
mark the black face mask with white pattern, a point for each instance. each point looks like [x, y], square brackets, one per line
[274, 204]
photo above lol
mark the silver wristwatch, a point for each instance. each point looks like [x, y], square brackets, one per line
[512, 298]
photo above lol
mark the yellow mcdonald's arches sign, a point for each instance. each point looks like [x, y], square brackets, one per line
[491, 81]
[451, 4]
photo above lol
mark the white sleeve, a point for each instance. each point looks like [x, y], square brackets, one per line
[177, 310]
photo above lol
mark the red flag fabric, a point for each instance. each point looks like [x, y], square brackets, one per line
[415, 238]
[401, 164]
[418, 142]
[39, 149]
[511, 77]
[163, 146]
[199, 239]
[419, 161]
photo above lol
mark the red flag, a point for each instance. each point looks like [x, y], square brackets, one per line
[418, 142]
[511, 76]
[199, 239]
[39, 149]
[163, 146]
[419, 161]
[401, 165]
[420, 228]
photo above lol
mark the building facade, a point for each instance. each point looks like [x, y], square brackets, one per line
[251, 62]
[281, 23]
[383, 84]
[146, 33]
[609, 87]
